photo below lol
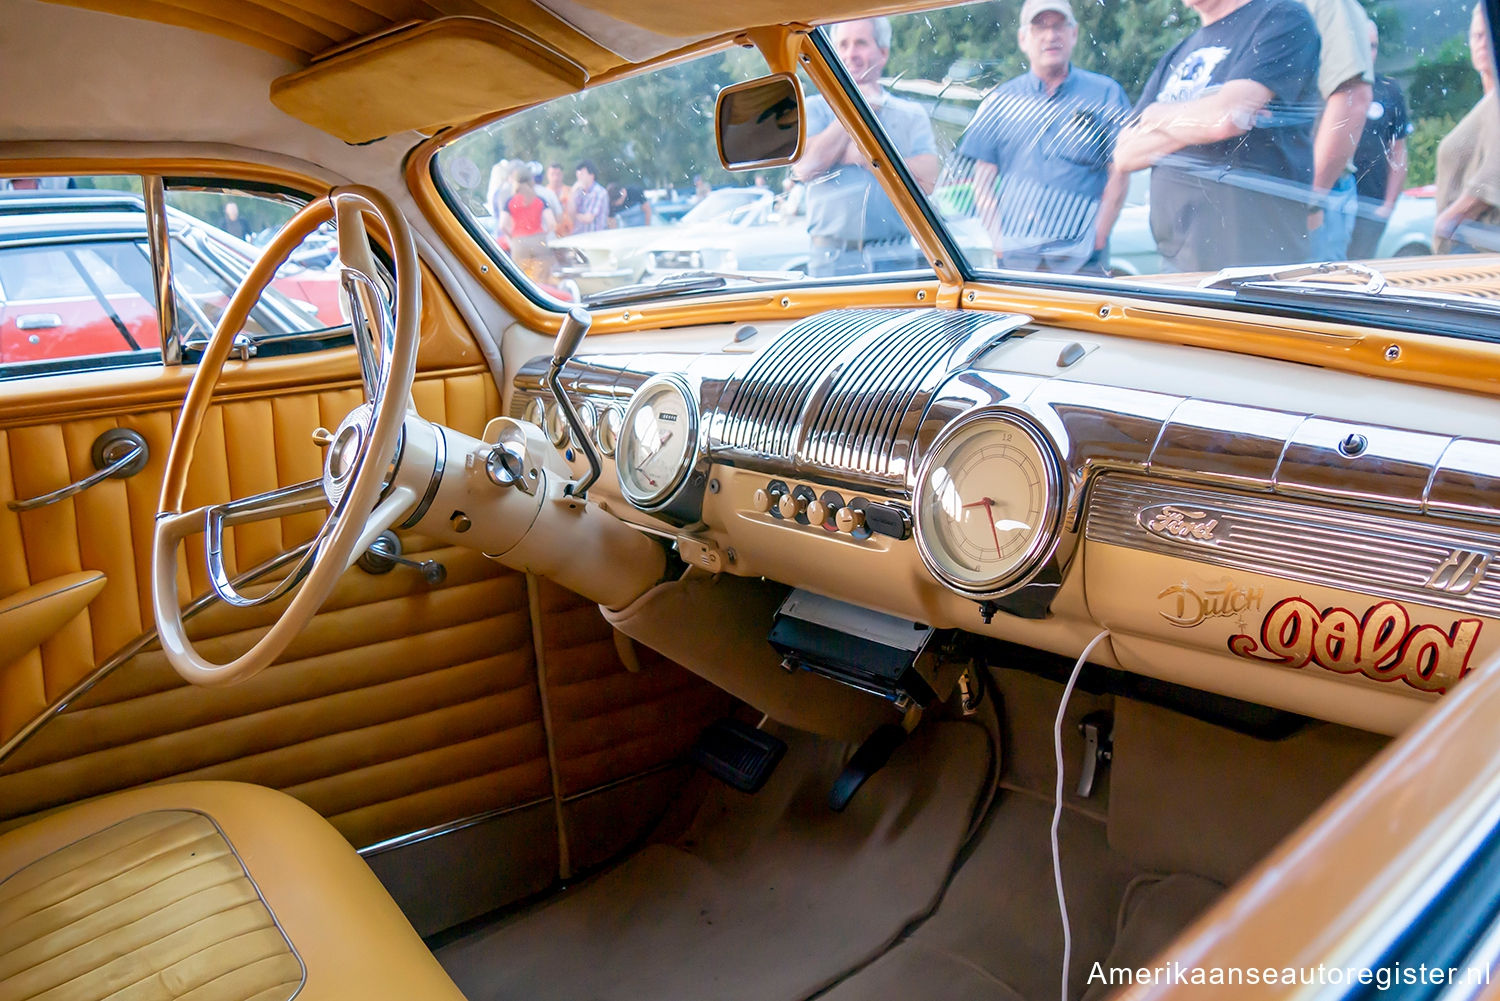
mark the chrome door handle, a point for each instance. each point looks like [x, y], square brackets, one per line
[38, 321]
[117, 453]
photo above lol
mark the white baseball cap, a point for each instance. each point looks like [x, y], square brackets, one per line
[1031, 9]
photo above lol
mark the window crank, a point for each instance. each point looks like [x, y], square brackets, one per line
[384, 555]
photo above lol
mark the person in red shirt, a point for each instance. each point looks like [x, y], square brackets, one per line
[527, 223]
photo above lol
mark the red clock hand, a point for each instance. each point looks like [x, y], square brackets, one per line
[989, 516]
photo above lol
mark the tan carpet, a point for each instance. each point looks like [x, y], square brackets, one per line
[996, 935]
[769, 897]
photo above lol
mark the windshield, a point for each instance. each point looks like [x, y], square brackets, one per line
[1157, 142]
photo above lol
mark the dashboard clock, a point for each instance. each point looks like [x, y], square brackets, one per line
[989, 504]
[658, 441]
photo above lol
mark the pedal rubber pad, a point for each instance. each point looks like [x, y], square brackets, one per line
[738, 754]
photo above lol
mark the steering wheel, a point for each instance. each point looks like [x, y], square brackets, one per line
[361, 498]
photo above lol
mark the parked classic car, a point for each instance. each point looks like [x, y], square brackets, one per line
[75, 278]
[944, 632]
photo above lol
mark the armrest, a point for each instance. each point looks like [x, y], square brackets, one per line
[29, 617]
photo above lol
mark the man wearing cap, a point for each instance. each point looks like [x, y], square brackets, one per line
[1041, 145]
[1226, 124]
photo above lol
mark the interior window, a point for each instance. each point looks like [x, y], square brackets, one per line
[77, 285]
[617, 193]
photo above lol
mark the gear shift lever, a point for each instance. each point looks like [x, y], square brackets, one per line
[575, 325]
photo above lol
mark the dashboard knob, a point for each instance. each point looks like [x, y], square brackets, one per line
[791, 506]
[849, 519]
[817, 513]
[760, 500]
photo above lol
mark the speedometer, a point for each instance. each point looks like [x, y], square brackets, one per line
[988, 504]
[658, 441]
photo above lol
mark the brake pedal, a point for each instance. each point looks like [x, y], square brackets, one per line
[869, 759]
[738, 754]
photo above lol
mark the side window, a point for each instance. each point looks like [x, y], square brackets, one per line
[617, 193]
[77, 286]
[217, 235]
[70, 302]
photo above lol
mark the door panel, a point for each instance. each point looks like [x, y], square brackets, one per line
[247, 446]
[396, 711]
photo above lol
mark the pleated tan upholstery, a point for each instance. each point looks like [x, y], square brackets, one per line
[202, 891]
[248, 445]
[609, 723]
[153, 908]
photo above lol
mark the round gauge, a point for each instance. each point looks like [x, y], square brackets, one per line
[988, 503]
[658, 441]
[608, 432]
[556, 425]
[536, 411]
[588, 417]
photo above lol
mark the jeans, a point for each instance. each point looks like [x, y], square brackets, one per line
[1330, 241]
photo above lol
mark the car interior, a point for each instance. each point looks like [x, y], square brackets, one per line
[457, 640]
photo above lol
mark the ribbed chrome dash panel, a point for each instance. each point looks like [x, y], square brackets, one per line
[845, 390]
[1364, 552]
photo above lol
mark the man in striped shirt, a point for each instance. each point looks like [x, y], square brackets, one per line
[590, 200]
[1040, 146]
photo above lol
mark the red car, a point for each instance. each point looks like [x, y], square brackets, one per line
[75, 278]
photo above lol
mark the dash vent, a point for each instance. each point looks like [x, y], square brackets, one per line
[844, 390]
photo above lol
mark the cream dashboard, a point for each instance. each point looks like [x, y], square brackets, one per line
[1310, 540]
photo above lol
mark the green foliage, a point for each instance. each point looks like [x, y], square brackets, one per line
[1121, 40]
[1421, 149]
[1443, 84]
[654, 129]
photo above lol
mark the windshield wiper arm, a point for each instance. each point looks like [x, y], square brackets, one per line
[661, 289]
[1296, 275]
[683, 283]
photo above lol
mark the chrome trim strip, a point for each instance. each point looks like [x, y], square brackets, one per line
[452, 826]
[665, 766]
[158, 237]
[440, 454]
[1354, 551]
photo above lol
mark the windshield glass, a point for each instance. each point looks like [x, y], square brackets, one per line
[617, 194]
[1159, 142]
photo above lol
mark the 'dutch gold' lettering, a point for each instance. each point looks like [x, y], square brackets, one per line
[1382, 644]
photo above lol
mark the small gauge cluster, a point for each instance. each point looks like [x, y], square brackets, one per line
[653, 441]
[601, 421]
[989, 503]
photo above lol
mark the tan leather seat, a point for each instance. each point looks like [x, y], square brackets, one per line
[211, 891]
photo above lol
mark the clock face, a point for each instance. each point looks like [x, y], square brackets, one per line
[987, 505]
[658, 442]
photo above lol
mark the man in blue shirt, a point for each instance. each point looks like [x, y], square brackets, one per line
[1041, 145]
[853, 227]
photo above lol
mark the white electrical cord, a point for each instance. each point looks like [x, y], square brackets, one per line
[1057, 806]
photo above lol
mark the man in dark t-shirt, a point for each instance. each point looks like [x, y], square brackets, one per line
[1226, 124]
[1379, 162]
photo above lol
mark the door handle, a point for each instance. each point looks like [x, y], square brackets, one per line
[38, 321]
[117, 453]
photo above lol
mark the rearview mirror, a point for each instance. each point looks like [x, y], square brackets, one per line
[758, 123]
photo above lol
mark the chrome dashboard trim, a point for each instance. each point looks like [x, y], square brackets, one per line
[1365, 552]
[1098, 428]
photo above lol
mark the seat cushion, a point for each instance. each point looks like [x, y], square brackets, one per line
[213, 891]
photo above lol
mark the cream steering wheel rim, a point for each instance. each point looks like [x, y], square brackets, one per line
[362, 508]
